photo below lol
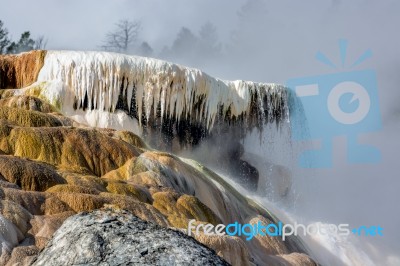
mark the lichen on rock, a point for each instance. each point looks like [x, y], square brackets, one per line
[29, 175]
[116, 237]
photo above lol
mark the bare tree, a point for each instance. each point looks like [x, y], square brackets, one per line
[40, 43]
[122, 37]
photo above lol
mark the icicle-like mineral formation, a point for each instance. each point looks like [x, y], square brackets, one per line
[155, 91]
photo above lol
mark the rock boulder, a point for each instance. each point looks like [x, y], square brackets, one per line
[116, 237]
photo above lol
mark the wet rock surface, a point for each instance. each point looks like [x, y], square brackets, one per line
[116, 237]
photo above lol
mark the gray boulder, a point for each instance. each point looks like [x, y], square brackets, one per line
[116, 237]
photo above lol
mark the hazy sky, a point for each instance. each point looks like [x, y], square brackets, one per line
[274, 41]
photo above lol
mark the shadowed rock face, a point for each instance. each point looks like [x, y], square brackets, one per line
[114, 237]
[247, 174]
[17, 71]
